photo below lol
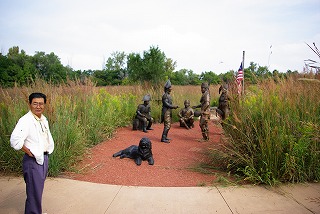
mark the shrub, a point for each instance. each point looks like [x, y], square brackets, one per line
[274, 133]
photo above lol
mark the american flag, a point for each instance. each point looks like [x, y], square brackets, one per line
[240, 73]
[239, 78]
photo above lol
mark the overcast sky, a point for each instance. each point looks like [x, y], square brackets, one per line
[203, 35]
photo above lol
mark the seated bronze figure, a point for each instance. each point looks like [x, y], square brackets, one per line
[186, 116]
[143, 119]
[138, 153]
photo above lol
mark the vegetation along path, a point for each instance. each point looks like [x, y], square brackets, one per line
[175, 163]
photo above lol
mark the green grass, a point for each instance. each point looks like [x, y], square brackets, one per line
[80, 116]
[274, 133]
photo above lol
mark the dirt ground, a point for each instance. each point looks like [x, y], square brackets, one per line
[173, 162]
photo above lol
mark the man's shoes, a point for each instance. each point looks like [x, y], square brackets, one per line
[165, 141]
[203, 140]
[150, 128]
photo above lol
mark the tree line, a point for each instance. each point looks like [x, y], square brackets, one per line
[18, 68]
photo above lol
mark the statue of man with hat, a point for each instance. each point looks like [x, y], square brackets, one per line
[143, 113]
[205, 111]
[166, 113]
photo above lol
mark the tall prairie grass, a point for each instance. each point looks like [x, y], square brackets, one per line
[274, 133]
[80, 116]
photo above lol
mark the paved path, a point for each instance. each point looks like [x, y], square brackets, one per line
[62, 196]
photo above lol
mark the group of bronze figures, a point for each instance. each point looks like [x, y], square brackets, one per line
[143, 119]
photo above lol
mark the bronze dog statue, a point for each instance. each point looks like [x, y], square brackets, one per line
[138, 153]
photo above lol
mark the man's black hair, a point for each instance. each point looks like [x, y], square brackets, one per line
[37, 95]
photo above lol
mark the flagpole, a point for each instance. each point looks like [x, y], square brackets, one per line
[243, 53]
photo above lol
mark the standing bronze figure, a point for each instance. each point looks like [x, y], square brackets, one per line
[205, 111]
[166, 113]
[223, 108]
[186, 115]
[143, 113]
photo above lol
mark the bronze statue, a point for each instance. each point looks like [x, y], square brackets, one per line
[143, 114]
[223, 108]
[186, 115]
[138, 153]
[205, 111]
[166, 113]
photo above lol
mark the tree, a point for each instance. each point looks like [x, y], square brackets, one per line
[227, 77]
[100, 77]
[21, 70]
[152, 67]
[194, 79]
[49, 67]
[179, 77]
[210, 77]
[170, 67]
[263, 72]
[5, 76]
[13, 52]
[115, 68]
[250, 73]
[134, 66]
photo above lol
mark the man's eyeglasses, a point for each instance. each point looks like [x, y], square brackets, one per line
[37, 104]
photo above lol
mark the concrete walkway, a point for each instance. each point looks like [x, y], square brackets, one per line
[62, 196]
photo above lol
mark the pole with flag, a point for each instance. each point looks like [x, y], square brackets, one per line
[243, 53]
[240, 76]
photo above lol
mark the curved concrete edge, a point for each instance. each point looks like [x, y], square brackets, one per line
[70, 196]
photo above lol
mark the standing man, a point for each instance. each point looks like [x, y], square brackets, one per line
[144, 115]
[33, 137]
[205, 111]
[166, 113]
